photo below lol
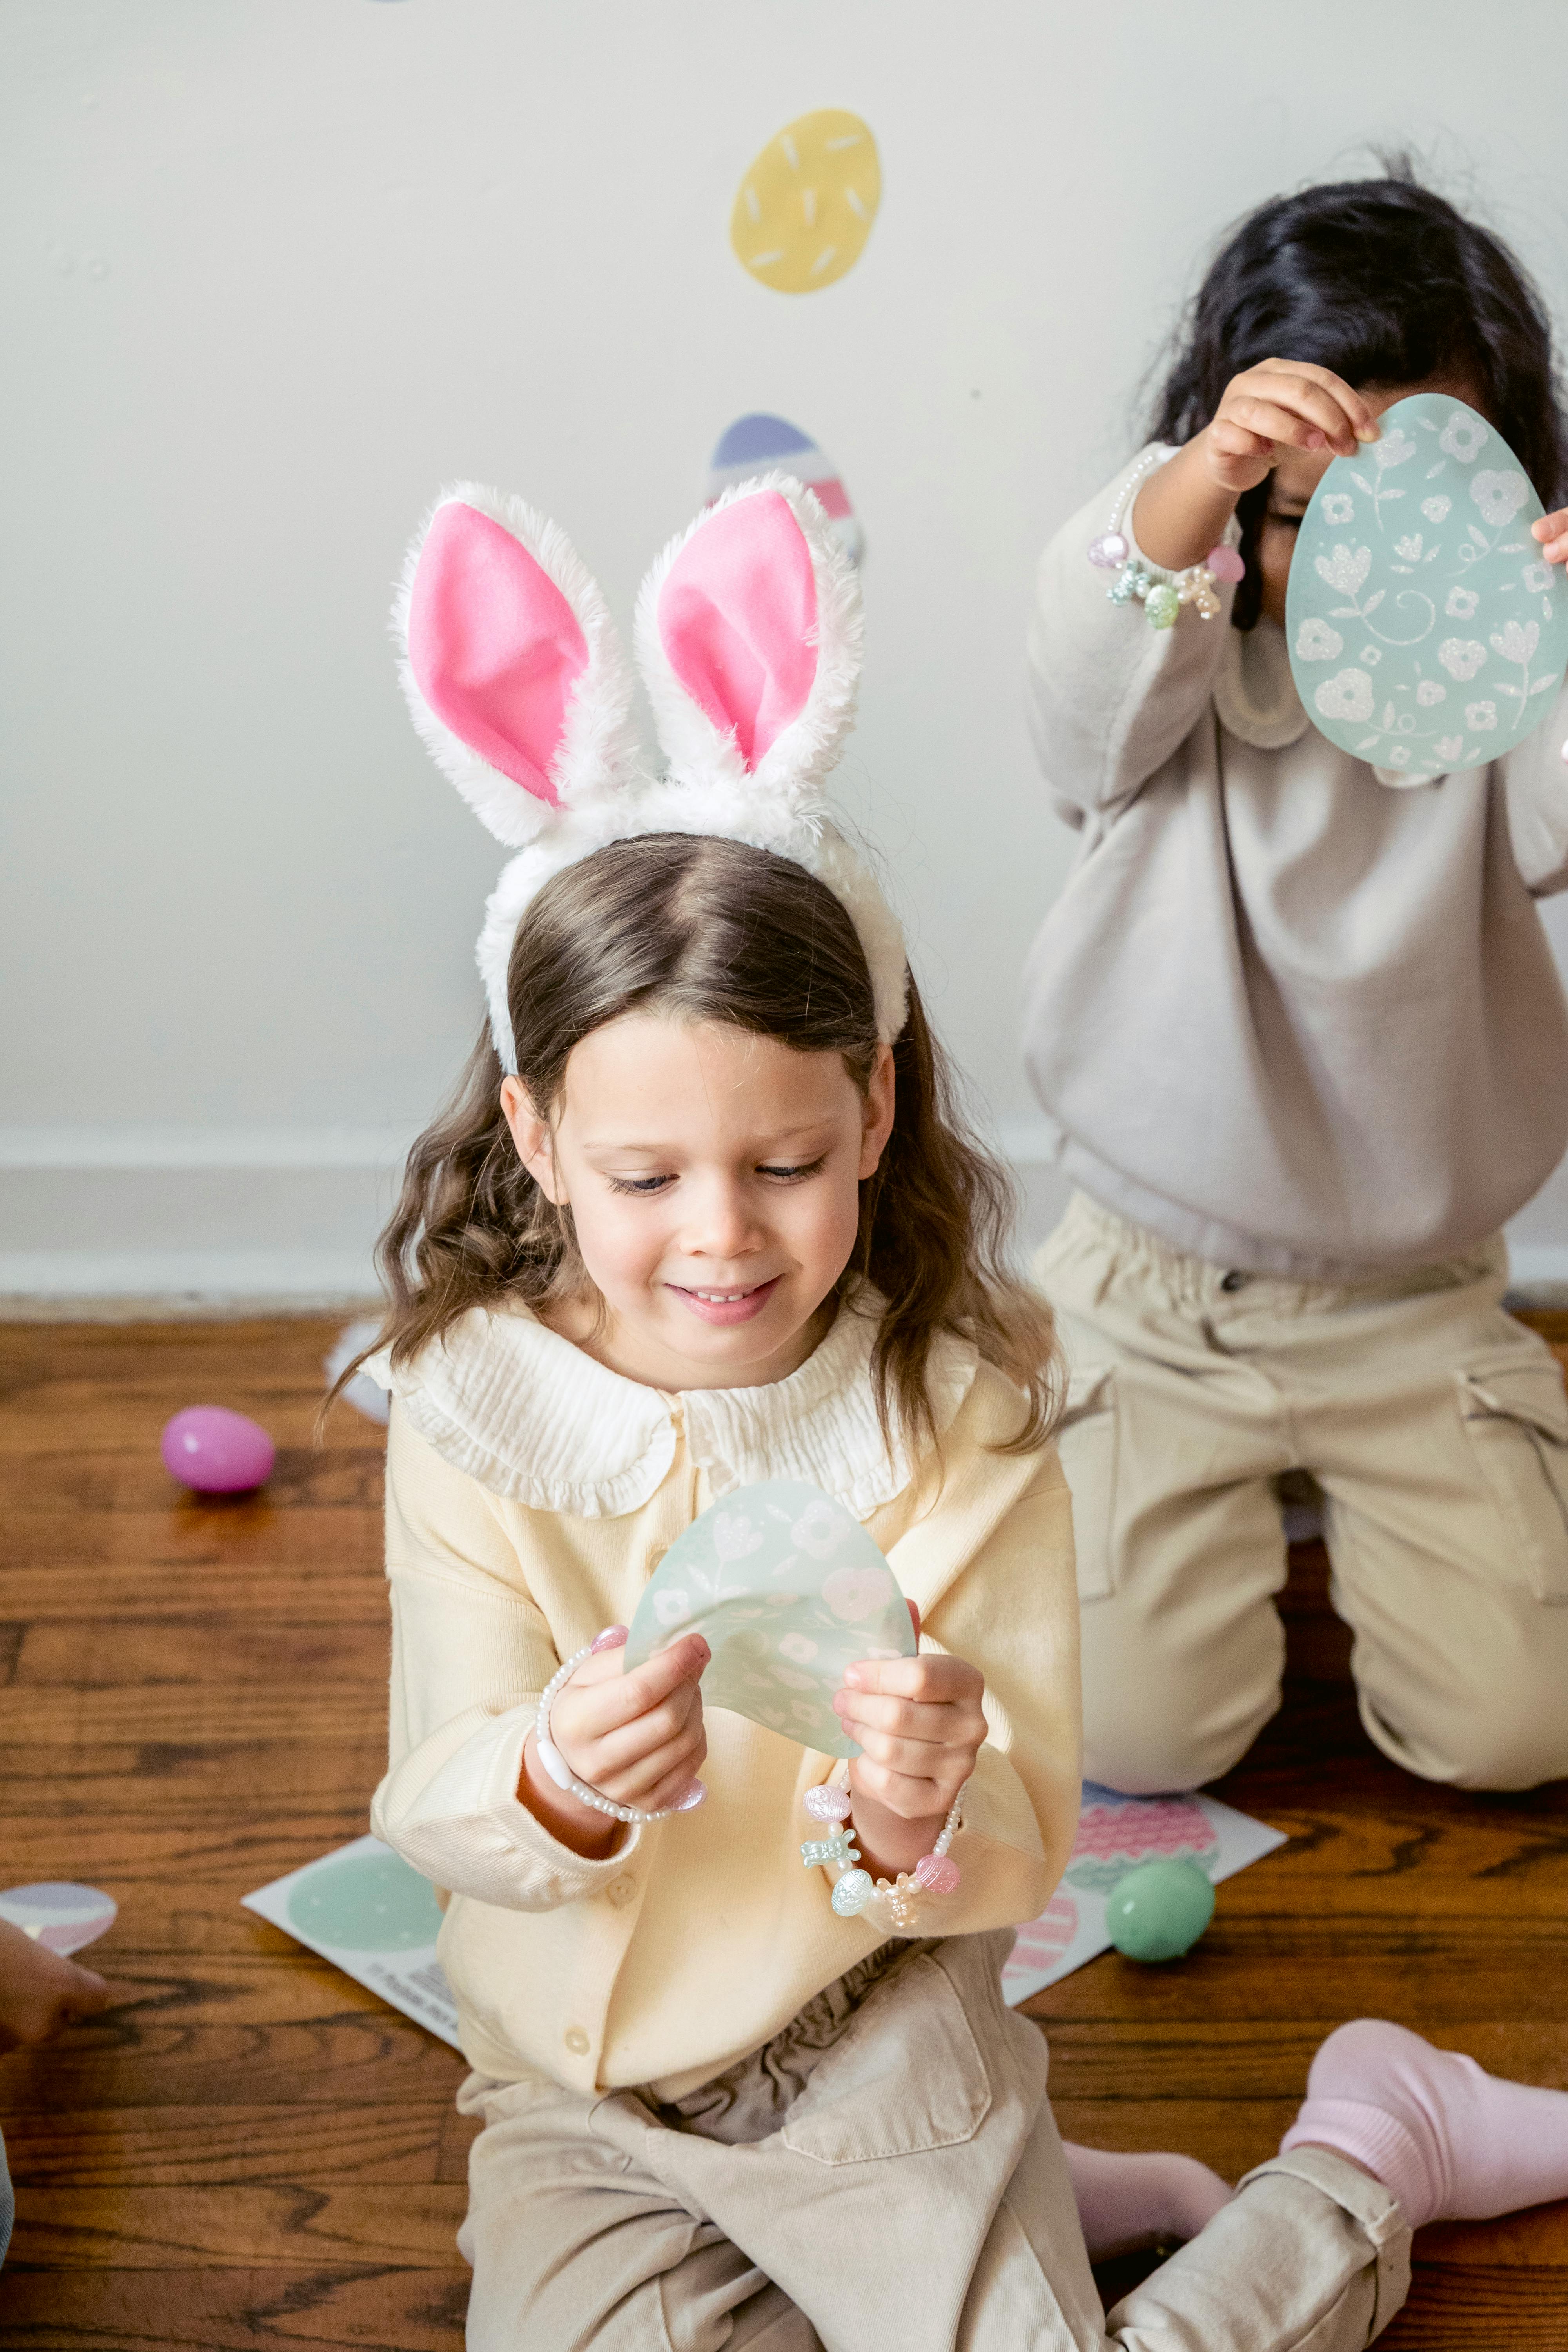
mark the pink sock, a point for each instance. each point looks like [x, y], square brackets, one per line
[1449, 2142]
[1134, 2201]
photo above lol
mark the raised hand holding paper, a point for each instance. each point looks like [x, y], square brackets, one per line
[787, 1590]
[1427, 633]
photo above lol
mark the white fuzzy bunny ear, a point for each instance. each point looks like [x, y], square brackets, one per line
[513, 672]
[748, 638]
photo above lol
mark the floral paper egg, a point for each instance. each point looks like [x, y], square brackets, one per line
[1427, 633]
[1115, 1832]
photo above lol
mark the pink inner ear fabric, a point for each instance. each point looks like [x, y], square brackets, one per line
[495, 647]
[737, 618]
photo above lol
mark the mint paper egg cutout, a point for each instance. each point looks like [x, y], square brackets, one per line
[1425, 631]
[787, 1590]
[366, 1902]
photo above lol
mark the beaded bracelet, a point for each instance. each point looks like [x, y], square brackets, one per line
[934, 1874]
[555, 1764]
[1162, 594]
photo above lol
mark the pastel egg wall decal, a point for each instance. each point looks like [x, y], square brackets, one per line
[1425, 632]
[216, 1452]
[58, 1913]
[768, 445]
[807, 204]
[1158, 1911]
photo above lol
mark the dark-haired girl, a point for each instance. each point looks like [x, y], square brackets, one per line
[703, 1216]
[1298, 1029]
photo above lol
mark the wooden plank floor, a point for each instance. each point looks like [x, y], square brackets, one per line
[257, 2153]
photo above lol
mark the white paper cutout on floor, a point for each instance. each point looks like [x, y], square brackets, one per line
[1114, 1834]
[59, 1913]
[362, 1391]
[367, 1912]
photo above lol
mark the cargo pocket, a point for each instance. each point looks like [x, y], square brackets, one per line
[1516, 1412]
[906, 2075]
[1087, 1441]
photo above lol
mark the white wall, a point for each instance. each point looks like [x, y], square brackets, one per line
[276, 269]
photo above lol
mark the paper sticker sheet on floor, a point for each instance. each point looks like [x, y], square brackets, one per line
[367, 1912]
[1115, 1834]
[374, 1917]
[805, 206]
[766, 445]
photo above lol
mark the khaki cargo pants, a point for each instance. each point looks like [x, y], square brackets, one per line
[884, 2176]
[1437, 1428]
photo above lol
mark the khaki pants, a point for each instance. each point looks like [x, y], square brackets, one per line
[884, 2176]
[1437, 1428]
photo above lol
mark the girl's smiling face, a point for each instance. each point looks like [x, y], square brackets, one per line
[1298, 474]
[713, 1177]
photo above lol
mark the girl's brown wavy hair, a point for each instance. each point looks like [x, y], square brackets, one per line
[699, 929]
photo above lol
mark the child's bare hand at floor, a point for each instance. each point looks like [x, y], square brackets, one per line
[41, 1992]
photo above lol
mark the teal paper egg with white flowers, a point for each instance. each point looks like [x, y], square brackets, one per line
[1426, 632]
[789, 1590]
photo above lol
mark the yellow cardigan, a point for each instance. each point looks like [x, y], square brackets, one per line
[529, 1495]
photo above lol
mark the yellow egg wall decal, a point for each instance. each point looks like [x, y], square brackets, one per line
[807, 204]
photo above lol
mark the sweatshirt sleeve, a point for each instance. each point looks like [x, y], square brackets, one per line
[470, 1655]
[1013, 1613]
[1110, 697]
[1535, 779]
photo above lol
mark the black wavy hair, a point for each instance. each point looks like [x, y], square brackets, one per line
[1383, 281]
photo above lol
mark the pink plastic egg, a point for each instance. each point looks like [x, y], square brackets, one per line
[215, 1451]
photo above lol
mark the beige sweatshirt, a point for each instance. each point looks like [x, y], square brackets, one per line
[529, 1495]
[1294, 1019]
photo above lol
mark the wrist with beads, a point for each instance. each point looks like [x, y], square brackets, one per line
[1161, 593]
[907, 1898]
[554, 1765]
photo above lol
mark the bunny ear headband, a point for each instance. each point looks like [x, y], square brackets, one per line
[747, 640]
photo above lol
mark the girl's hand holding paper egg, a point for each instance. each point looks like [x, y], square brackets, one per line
[921, 1728]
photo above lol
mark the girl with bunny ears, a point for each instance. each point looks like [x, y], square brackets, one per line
[702, 1215]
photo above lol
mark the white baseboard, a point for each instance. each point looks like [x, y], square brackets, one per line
[190, 1221]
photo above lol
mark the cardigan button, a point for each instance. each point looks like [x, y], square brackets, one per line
[576, 2041]
[621, 1891]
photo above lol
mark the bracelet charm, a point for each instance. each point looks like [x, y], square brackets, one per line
[934, 1874]
[1162, 594]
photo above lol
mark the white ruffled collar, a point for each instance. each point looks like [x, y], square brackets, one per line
[532, 1417]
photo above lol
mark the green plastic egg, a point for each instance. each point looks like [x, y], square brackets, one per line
[1158, 1911]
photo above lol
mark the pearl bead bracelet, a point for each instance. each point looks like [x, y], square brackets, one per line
[934, 1874]
[555, 1764]
[1162, 594]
